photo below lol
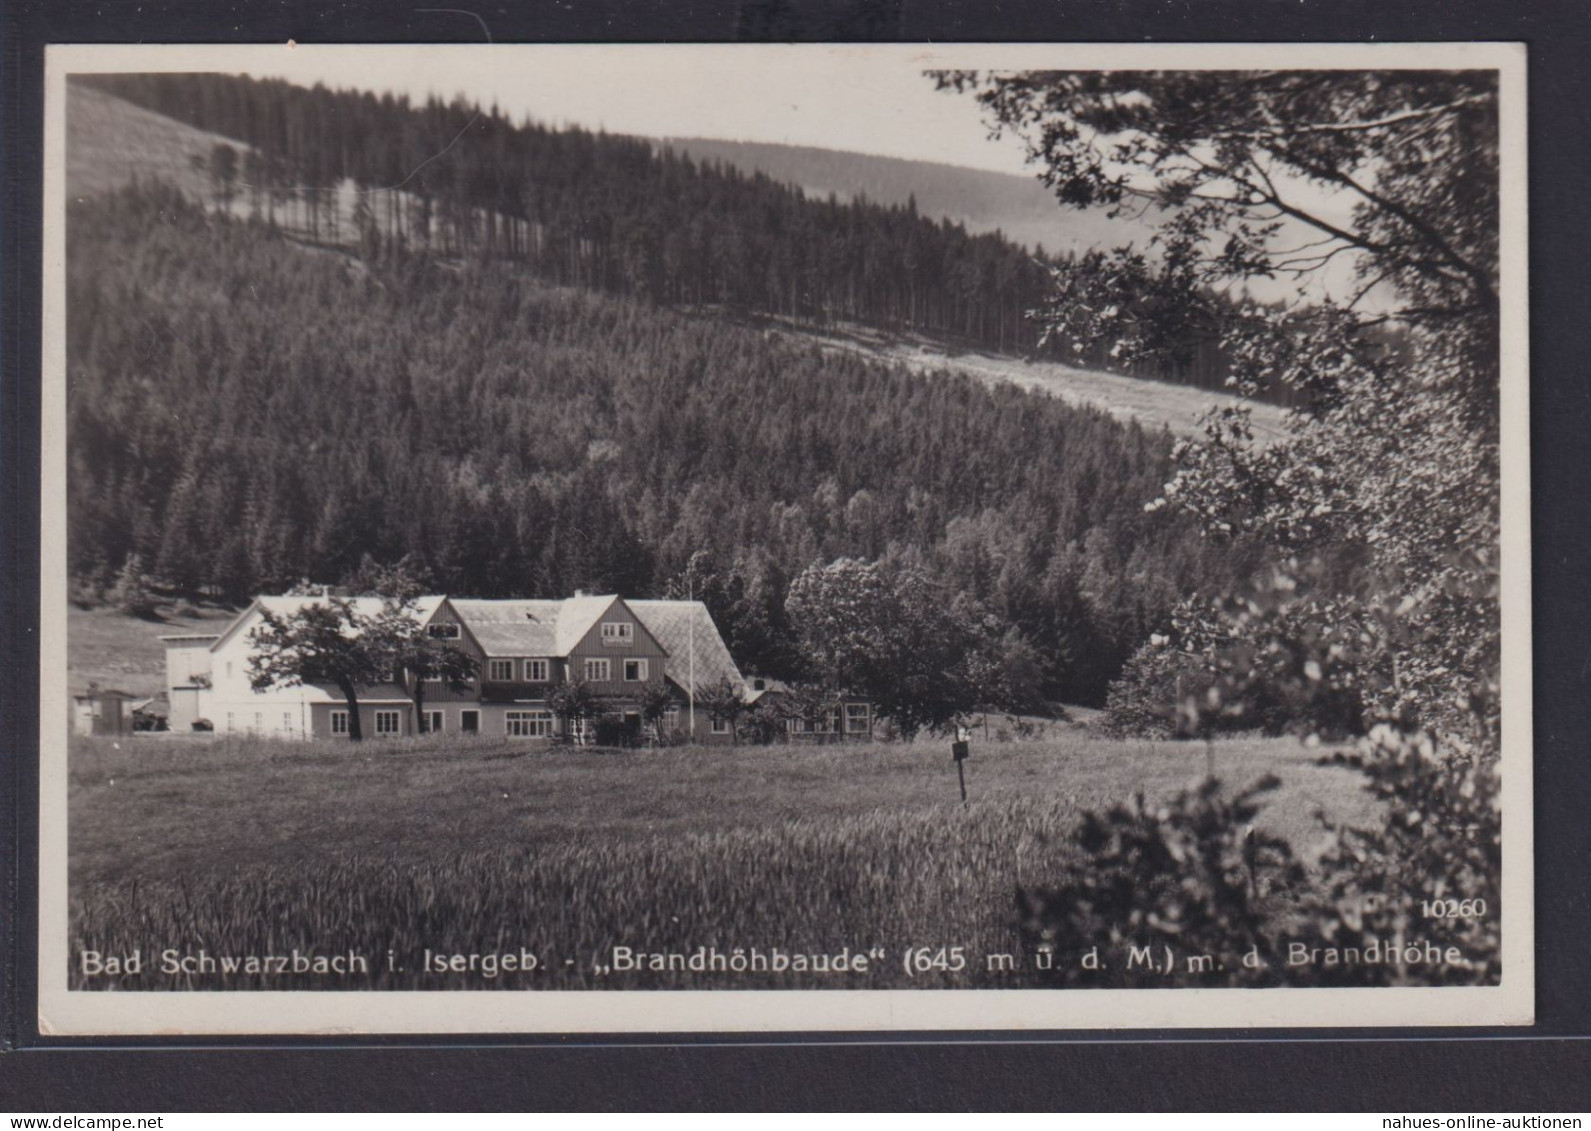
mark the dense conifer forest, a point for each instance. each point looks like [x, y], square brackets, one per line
[245, 413]
[618, 214]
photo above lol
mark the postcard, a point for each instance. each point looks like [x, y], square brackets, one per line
[784, 538]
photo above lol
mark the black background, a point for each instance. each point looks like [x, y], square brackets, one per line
[1543, 1068]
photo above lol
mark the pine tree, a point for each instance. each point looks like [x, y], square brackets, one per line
[132, 593]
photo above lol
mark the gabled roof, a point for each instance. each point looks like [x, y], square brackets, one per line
[577, 617]
[511, 628]
[531, 628]
[425, 607]
[673, 624]
[554, 628]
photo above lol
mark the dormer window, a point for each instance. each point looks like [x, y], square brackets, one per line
[500, 671]
[618, 632]
[443, 631]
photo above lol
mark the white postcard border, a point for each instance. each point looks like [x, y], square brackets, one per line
[65, 1012]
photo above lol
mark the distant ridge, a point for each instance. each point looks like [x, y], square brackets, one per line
[982, 201]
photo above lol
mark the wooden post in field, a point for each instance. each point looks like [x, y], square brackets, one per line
[958, 752]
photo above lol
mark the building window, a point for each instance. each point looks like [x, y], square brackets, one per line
[599, 671]
[635, 671]
[339, 722]
[617, 632]
[443, 631]
[857, 719]
[259, 722]
[500, 671]
[470, 722]
[387, 722]
[535, 671]
[230, 724]
[578, 731]
[670, 719]
[287, 722]
[528, 724]
[720, 726]
[430, 722]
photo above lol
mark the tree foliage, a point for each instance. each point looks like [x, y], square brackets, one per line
[575, 702]
[1388, 485]
[132, 593]
[893, 636]
[724, 702]
[325, 642]
[655, 700]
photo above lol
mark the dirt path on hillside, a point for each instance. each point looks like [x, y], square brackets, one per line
[1153, 404]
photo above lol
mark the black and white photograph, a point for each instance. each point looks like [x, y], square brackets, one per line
[595, 538]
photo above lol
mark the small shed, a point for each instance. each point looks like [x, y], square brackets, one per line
[100, 711]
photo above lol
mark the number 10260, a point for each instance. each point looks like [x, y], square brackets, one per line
[1452, 908]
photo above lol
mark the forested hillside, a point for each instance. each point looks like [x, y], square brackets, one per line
[245, 412]
[609, 213]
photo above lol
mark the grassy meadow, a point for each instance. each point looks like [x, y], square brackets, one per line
[456, 846]
[111, 649]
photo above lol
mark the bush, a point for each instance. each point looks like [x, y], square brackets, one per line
[85, 592]
[1143, 701]
[1193, 875]
[1196, 877]
[761, 725]
[203, 726]
[1437, 851]
[1279, 658]
[1027, 729]
[614, 731]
